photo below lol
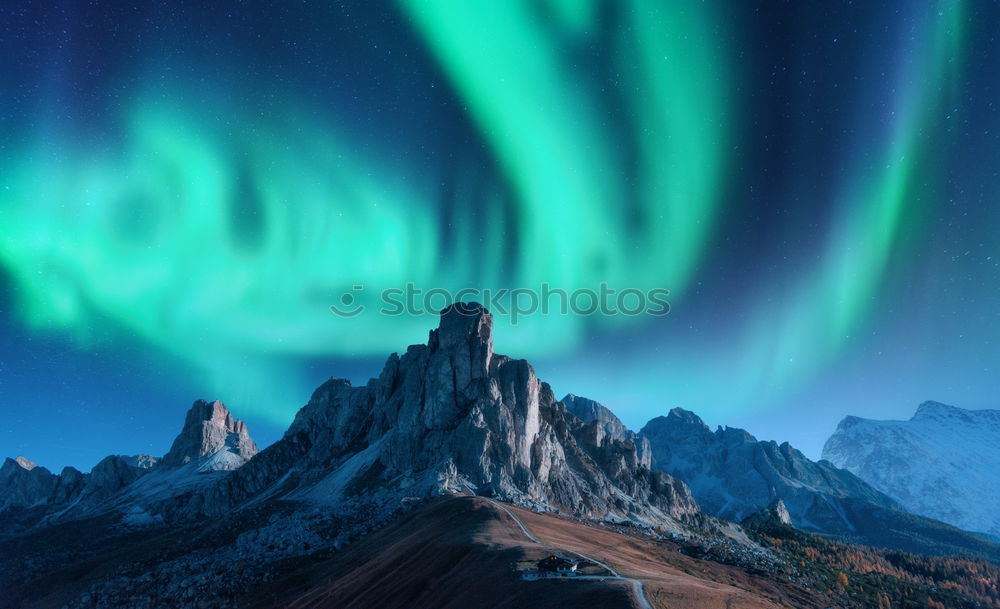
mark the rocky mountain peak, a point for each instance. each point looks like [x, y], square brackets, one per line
[679, 416]
[466, 329]
[936, 410]
[678, 424]
[211, 437]
[22, 483]
[588, 411]
[850, 421]
[26, 463]
[462, 320]
[452, 416]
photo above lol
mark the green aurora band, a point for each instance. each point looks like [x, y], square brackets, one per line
[813, 322]
[791, 334]
[226, 246]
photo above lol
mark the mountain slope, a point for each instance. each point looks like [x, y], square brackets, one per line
[446, 552]
[943, 463]
[452, 542]
[467, 546]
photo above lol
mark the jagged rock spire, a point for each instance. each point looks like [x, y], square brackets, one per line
[466, 329]
[464, 320]
[210, 430]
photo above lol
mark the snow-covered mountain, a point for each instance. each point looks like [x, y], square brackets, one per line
[943, 463]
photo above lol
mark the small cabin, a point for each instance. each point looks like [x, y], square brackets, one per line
[557, 565]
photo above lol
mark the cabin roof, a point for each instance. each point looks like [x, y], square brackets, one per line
[553, 561]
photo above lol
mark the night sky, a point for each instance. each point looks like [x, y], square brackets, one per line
[186, 188]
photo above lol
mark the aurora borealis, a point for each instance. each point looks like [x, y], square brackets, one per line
[184, 191]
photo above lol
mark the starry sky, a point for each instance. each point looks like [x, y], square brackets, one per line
[186, 188]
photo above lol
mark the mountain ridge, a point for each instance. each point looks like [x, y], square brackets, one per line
[210, 441]
[733, 476]
[446, 423]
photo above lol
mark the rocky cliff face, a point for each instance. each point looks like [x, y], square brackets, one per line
[453, 416]
[608, 426]
[24, 484]
[775, 514]
[109, 476]
[943, 463]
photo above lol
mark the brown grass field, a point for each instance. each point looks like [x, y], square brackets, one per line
[461, 552]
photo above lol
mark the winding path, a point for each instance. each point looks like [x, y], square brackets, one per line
[637, 587]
